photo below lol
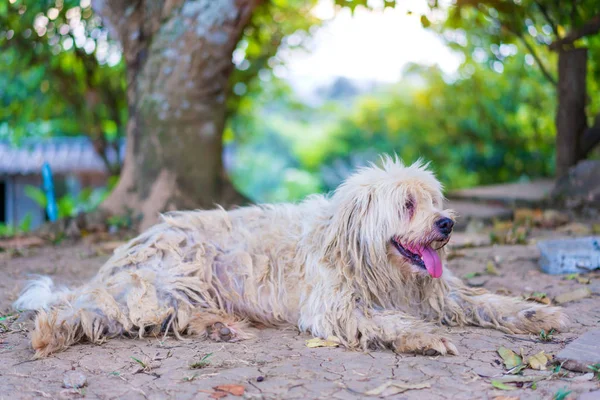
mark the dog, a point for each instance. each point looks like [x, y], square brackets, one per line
[363, 264]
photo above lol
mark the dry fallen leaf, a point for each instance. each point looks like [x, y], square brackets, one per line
[331, 341]
[236, 390]
[575, 295]
[583, 378]
[539, 297]
[108, 247]
[538, 361]
[583, 280]
[490, 268]
[523, 379]
[218, 395]
[391, 388]
[511, 359]
[576, 228]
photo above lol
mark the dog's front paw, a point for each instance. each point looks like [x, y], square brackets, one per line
[219, 332]
[424, 343]
[538, 318]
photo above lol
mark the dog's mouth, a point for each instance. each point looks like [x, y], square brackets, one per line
[424, 256]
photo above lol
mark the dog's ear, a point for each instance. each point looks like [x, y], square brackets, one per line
[353, 238]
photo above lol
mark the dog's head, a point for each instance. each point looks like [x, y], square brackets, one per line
[392, 217]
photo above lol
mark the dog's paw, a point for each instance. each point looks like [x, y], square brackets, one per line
[538, 318]
[425, 343]
[220, 332]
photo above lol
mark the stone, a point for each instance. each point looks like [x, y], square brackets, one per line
[580, 189]
[581, 352]
[74, 380]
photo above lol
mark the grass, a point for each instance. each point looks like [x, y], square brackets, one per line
[547, 337]
[561, 394]
[596, 369]
[204, 362]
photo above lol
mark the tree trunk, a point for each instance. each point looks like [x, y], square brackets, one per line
[570, 116]
[178, 56]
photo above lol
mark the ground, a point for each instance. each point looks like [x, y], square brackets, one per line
[277, 363]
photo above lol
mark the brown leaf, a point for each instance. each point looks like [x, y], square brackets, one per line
[539, 298]
[236, 390]
[575, 228]
[575, 295]
[218, 395]
[553, 219]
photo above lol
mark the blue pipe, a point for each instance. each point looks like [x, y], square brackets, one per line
[51, 207]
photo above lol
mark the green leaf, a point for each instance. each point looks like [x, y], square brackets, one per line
[36, 194]
[502, 386]
[511, 359]
[25, 225]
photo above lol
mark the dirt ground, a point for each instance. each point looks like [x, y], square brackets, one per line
[277, 364]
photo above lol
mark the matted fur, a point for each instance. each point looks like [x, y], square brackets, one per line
[325, 265]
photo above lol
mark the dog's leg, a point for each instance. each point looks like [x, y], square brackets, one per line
[405, 334]
[218, 326]
[367, 328]
[464, 305]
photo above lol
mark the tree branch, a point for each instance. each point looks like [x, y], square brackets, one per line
[529, 47]
[590, 138]
[547, 17]
[589, 28]
[535, 56]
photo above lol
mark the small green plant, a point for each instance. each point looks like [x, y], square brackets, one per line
[119, 221]
[557, 369]
[9, 230]
[596, 369]
[70, 205]
[137, 360]
[547, 337]
[561, 394]
[190, 378]
[202, 363]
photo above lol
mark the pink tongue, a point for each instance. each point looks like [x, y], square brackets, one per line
[432, 262]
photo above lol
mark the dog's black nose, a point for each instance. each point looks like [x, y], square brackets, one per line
[445, 226]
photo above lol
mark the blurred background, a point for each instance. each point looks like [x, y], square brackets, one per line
[147, 106]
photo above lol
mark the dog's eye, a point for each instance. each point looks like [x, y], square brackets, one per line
[409, 206]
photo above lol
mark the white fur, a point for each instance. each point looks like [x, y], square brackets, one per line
[40, 294]
[327, 265]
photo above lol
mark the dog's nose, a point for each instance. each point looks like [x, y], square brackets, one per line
[445, 226]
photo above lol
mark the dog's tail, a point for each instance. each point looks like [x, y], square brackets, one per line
[66, 316]
[131, 303]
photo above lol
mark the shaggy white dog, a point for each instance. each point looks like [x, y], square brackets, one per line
[363, 265]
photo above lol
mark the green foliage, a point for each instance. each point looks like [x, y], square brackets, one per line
[490, 31]
[59, 74]
[9, 230]
[86, 200]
